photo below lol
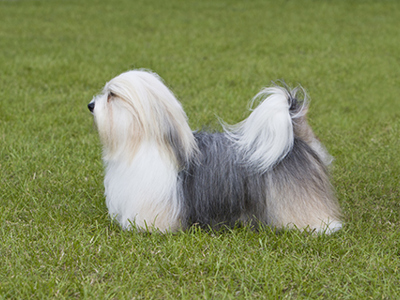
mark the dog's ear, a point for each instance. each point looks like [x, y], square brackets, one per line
[174, 140]
[179, 138]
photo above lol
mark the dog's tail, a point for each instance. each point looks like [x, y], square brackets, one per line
[267, 135]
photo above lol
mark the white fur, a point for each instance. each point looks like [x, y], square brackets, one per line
[146, 110]
[328, 227]
[136, 115]
[266, 136]
[143, 191]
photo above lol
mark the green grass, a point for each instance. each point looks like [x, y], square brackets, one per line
[56, 240]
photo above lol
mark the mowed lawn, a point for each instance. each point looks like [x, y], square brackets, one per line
[56, 239]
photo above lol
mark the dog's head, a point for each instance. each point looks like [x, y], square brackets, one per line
[136, 107]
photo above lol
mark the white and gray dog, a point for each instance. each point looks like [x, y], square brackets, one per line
[160, 175]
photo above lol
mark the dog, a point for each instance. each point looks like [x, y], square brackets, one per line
[161, 176]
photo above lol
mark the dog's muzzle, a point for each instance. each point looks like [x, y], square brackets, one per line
[91, 106]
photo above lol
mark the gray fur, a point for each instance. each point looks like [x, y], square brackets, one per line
[220, 189]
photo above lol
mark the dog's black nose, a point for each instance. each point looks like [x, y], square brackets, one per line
[91, 106]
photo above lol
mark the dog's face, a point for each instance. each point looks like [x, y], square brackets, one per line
[118, 119]
[136, 107]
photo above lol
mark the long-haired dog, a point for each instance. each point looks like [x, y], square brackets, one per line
[160, 175]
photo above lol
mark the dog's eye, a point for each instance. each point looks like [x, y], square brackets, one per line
[110, 95]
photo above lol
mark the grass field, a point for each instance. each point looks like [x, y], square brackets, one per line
[56, 240]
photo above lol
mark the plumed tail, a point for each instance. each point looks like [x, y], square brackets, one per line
[267, 135]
